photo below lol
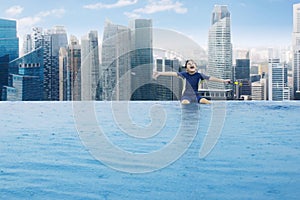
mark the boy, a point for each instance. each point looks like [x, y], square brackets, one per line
[192, 77]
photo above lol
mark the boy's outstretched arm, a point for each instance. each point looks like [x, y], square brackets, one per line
[156, 74]
[226, 81]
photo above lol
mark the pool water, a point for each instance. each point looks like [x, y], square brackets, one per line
[150, 150]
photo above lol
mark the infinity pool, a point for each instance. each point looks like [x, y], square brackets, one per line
[149, 150]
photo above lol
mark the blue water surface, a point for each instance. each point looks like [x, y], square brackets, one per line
[256, 156]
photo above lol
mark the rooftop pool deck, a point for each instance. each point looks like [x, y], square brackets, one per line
[150, 150]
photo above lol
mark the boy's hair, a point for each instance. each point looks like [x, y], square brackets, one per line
[186, 62]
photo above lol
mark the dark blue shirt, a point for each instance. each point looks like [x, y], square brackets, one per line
[191, 82]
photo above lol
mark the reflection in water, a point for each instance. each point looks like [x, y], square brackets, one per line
[213, 134]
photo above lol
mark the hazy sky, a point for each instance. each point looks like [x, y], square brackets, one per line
[254, 22]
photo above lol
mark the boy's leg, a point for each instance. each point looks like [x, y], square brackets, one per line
[204, 101]
[185, 101]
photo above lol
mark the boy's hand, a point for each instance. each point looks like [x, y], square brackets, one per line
[155, 75]
[227, 81]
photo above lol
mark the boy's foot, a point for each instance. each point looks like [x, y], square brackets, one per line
[204, 101]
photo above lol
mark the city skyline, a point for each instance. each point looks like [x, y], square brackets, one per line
[140, 41]
[261, 23]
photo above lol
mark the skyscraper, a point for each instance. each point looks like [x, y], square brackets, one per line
[64, 76]
[141, 59]
[90, 66]
[74, 60]
[116, 47]
[69, 71]
[220, 47]
[242, 77]
[9, 42]
[278, 88]
[58, 39]
[25, 78]
[27, 44]
[9, 48]
[168, 88]
[37, 37]
[4, 63]
[242, 69]
[51, 41]
[259, 90]
[296, 51]
[46, 44]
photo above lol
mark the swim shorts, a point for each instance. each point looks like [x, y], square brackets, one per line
[191, 98]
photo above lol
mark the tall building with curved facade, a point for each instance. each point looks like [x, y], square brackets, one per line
[220, 47]
[296, 51]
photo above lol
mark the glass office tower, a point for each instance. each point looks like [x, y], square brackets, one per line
[9, 42]
[296, 51]
[25, 78]
[58, 39]
[4, 63]
[278, 87]
[9, 49]
[51, 41]
[89, 66]
[115, 62]
[142, 59]
[220, 47]
[69, 71]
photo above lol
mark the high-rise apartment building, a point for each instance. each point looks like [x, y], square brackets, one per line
[37, 37]
[90, 72]
[296, 51]
[220, 47]
[141, 59]
[51, 41]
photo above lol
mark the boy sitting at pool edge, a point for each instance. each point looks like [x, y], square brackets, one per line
[193, 77]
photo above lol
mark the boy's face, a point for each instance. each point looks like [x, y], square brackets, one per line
[191, 67]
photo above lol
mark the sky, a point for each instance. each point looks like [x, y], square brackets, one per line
[254, 23]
